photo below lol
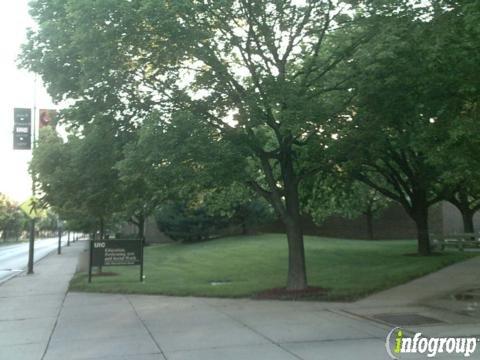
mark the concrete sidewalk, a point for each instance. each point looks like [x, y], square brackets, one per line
[40, 321]
[135, 327]
[139, 327]
[30, 305]
[457, 277]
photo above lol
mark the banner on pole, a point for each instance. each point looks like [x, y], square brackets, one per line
[22, 129]
[47, 117]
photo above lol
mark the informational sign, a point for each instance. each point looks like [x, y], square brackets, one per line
[22, 116]
[116, 253]
[22, 129]
[31, 209]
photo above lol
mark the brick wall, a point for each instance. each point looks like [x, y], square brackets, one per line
[392, 223]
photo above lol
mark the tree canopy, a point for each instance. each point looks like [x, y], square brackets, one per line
[186, 98]
[264, 76]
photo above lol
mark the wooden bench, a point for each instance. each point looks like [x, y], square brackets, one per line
[459, 241]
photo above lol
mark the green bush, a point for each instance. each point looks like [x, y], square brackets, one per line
[180, 222]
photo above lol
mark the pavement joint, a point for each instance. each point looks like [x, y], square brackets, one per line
[374, 322]
[254, 331]
[147, 329]
[328, 340]
[54, 326]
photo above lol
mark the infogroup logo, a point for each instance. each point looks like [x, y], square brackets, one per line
[397, 344]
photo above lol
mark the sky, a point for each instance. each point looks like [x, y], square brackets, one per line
[17, 90]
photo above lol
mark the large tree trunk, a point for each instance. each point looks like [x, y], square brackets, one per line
[467, 217]
[461, 201]
[297, 274]
[420, 216]
[244, 227]
[369, 219]
[287, 206]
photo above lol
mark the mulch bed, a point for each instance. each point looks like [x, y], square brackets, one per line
[310, 293]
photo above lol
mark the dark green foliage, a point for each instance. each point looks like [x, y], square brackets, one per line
[180, 222]
[77, 178]
[250, 95]
[48, 222]
[260, 92]
[412, 84]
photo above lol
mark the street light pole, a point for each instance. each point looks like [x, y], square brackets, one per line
[31, 243]
[31, 247]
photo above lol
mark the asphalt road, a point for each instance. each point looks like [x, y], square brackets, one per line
[14, 258]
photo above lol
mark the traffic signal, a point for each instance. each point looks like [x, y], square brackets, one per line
[22, 129]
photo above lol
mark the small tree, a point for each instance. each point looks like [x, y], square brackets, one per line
[336, 194]
[77, 177]
[12, 220]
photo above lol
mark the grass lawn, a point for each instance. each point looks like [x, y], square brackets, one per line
[349, 269]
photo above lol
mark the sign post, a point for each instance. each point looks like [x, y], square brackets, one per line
[90, 261]
[22, 132]
[30, 209]
[141, 264]
[116, 253]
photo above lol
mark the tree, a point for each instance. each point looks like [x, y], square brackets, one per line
[239, 205]
[338, 194]
[457, 156]
[387, 143]
[457, 36]
[77, 177]
[12, 219]
[408, 102]
[48, 221]
[141, 193]
[266, 75]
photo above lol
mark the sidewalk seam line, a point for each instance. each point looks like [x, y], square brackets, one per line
[57, 317]
[255, 331]
[54, 326]
[146, 328]
[359, 317]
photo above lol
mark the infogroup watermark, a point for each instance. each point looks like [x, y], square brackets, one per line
[398, 345]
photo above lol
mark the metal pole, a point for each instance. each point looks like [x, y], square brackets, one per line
[68, 238]
[31, 247]
[141, 267]
[90, 262]
[31, 243]
[141, 263]
[59, 251]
